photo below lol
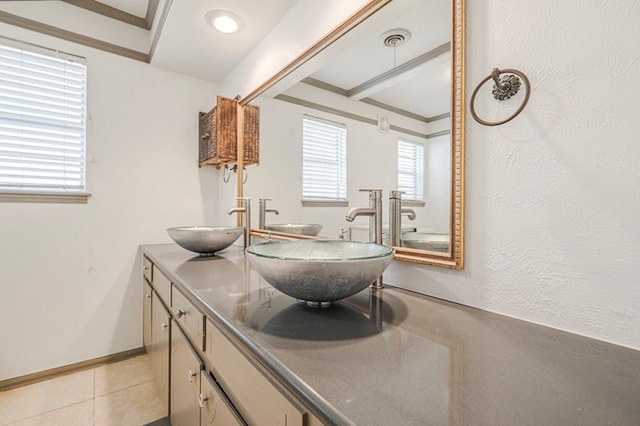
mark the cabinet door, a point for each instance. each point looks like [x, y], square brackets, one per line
[146, 315]
[216, 408]
[185, 381]
[159, 353]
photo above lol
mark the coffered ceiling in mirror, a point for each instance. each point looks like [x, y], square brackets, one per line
[394, 76]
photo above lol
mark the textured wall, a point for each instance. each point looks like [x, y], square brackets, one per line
[552, 223]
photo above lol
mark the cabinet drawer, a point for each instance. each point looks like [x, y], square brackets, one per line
[216, 408]
[147, 270]
[185, 381]
[190, 319]
[161, 285]
[257, 399]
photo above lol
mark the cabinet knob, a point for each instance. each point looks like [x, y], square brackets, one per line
[202, 400]
[147, 296]
[191, 375]
[163, 326]
[180, 313]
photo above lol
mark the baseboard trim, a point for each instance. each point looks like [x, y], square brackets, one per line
[40, 376]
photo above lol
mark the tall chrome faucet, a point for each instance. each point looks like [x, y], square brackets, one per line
[374, 211]
[245, 209]
[395, 217]
[263, 212]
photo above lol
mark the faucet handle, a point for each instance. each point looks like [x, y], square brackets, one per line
[264, 199]
[373, 193]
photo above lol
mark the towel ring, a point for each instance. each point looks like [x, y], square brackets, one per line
[504, 88]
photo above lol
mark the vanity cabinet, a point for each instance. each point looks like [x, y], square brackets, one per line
[232, 389]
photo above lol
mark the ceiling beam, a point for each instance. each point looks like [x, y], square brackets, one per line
[152, 8]
[343, 92]
[111, 12]
[50, 30]
[385, 79]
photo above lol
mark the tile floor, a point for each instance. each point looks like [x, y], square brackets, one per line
[118, 394]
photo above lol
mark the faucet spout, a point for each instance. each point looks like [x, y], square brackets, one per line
[263, 212]
[245, 210]
[374, 211]
[359, 211]
[411, 214]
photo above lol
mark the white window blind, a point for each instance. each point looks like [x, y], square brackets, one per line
[42, 119]
[411, 170]
[324, 160]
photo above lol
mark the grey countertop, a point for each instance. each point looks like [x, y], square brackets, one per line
[400, 358]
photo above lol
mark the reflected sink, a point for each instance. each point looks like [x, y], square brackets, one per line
[311, 229]
[426, 241]
[205, 240]
[319, 271]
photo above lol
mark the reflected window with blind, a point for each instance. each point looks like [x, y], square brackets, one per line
[324, 160]
[42, 120]
[411, 170]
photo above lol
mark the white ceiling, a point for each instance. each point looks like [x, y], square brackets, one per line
[187, 44]
[190, 46]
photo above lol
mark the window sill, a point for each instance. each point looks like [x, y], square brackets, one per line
[325, 203]
[44, 197]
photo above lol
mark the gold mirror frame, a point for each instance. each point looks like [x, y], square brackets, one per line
[455, 258]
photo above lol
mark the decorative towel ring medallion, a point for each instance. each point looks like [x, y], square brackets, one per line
[505, 87]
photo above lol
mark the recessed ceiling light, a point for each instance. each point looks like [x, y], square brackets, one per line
[224, 21]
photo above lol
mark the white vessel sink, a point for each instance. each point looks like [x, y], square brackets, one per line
[319, 271]
[205, 240]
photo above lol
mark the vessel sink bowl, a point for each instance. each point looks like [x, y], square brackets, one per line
[205, 240]
[426, 241]
[311, 229]
[319, 271]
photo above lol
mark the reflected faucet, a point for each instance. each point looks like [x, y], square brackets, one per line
[246, 218]
[263, 212]
[374, 211]
[395, 217]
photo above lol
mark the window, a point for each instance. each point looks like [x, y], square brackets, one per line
[324, 160]
[42, 120]
[411, 170]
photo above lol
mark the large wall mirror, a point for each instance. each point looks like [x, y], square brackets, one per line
[380, 100]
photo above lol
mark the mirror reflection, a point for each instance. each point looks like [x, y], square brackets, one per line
[376, 115]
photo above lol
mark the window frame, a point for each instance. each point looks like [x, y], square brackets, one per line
[418, 176]
[340, 182]
[23, 192]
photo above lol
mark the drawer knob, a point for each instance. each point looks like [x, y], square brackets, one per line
[180, 313]
[202, 400]
[191, 375]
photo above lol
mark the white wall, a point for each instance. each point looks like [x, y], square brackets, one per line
[70, 274]
[552, 223]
